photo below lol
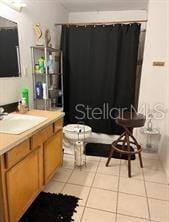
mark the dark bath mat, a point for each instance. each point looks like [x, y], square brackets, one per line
[51, 208]
[98, 149]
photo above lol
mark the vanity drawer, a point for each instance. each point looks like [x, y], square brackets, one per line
[17, 153]
[58, 125]
[41, 136]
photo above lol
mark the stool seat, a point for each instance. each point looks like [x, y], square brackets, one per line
[131, 120]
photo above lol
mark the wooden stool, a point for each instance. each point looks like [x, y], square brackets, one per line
[127, 141]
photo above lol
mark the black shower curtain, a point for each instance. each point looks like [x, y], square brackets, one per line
[99, 66]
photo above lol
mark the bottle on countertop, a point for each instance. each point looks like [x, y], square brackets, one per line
[22, 107]
[25, 96]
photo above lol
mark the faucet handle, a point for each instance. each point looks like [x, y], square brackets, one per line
[1, 110]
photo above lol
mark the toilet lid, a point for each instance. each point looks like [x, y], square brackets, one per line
[77, 128]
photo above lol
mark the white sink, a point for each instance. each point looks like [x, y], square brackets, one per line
[17, 123]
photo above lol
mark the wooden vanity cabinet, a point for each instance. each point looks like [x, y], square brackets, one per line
[27, 168]
[23, 183]
[52, 155]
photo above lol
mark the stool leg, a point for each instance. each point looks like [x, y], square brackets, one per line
[129, 165]
[110, 156]
[138, 148]
[140, 159]
[129, 155]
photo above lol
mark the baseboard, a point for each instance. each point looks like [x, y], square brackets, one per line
[167, 174]
[165, 170]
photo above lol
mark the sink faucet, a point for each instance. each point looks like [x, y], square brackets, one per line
[2, 113]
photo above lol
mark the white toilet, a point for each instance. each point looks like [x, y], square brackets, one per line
[75, 136]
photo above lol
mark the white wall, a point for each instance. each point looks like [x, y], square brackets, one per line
[107, 16]
[155, 80]
[47, 13]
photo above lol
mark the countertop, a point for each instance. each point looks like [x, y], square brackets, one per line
[8, 141]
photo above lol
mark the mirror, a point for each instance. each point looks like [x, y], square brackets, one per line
[9, 49]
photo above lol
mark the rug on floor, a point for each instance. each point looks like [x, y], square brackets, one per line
[51, 208]
[102, 150]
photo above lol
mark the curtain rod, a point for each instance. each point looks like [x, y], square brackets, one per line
[102, 23]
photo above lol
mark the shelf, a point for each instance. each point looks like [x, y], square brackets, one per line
[42, 99]
[60, 105]
[44, 74]
[154, 131]
[44, 47]
[55, 78]
[59, 109]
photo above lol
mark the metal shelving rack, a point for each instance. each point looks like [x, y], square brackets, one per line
[46, 104]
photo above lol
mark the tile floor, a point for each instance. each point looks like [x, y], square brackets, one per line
[108, 195]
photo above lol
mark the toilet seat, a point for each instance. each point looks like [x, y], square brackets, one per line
[77, 132]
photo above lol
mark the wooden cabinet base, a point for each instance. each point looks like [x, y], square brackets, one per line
[52, 155]
[25, 170]
[23, 177]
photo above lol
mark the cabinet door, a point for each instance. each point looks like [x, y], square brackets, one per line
[23, 184]
[52, 155]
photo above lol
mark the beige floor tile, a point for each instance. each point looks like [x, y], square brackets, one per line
[135, 163]
[81, 178]
[113, 160]
[157, 191]
[78, 191]
[121, 218]
[62, 175]
[66, 155]
[159, 210]
[154, 156]
[91, 166]
[136, 173]
[125, 162]
[157, 176]
[108, 182]
[112, 169]
[68, 162]
[132, 205]
[78, 215]
[132, 186]
[102, 199]
[152, 164]
[93, 158]
[54, 187]
[91, 215]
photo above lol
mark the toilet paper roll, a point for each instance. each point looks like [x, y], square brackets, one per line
[79, 148]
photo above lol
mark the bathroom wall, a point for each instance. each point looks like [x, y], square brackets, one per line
[164, 150]
[107, 16]
[155, 80]
[47, 13]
